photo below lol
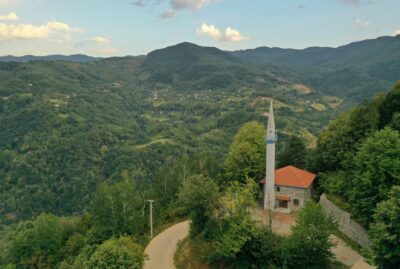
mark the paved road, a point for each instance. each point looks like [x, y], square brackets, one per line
[162, 248]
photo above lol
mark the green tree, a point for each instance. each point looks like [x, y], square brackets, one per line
[378, 169]
[238, 197]
[294, 153]
[117, 209]
[385, 231]
[338, 183]
[232, 241]
[236, 232]
[246, 157]
[309, 245]
[338, 144]
[36, 244]
[262, 251]
[389, 106]
[395, 122]
[199, 197]
[116, 254]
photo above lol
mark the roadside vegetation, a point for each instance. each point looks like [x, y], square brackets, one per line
[359, 157]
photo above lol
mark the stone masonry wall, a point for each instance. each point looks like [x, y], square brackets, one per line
[294, 193]
[346, 224]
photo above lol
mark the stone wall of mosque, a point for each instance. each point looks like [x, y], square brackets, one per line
[298, 196]
[346, 224]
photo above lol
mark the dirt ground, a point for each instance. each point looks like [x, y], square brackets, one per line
[281, 223]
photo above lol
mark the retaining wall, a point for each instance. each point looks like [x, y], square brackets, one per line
[346, 224]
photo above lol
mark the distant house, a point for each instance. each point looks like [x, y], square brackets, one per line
[288, 187]
[293, 187]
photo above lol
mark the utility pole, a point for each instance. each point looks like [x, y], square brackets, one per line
[151, 217]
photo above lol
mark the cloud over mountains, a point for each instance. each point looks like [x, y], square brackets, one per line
[228, 35]
[54, 30]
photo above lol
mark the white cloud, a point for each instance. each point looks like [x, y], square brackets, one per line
[106, 51]
[232, 34]
[100, 39]
[396, 33]
[9, 17]
[51, 30]
[209, 30]
[362, 24]
[228, 35]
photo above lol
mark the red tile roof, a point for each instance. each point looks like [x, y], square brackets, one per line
[293, 177]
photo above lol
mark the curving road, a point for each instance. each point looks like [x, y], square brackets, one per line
[161, 248]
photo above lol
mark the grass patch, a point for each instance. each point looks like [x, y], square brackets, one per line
[340, 202]
[318, 106]
[301, 88]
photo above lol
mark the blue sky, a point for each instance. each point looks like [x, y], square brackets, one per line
[134, 27]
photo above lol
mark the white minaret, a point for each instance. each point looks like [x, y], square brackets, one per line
[269, 187]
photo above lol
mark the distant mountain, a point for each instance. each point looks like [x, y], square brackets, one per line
[191, 65]
[79, 58]
[359, 69]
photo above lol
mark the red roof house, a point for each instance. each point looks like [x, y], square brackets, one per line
[293, 186]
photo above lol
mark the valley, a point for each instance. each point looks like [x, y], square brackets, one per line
[85, 141]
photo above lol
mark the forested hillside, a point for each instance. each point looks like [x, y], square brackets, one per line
[357, 70]
[358, 161]
[359, 155]
[67, 127]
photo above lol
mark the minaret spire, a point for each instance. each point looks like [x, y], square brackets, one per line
[269, 189]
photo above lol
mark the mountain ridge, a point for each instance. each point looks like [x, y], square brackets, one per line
[356, 71]
[374, 63]
[79, 58]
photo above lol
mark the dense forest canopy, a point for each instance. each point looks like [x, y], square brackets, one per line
[67, 127]
[359, 154]
[354, 71]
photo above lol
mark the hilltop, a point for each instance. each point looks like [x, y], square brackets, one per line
[357, 70]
